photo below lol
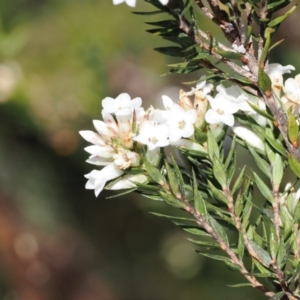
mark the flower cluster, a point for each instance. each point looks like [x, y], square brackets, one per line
[129, 134]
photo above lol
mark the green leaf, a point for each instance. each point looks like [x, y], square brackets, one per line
[148, 13]
[281, 18]
[179, 178]
[154, 173]
[238, 181]
[199, 202]
[264, 81]
[213, 148]
[263, 57]
[213, 256]
[276, 145]
[229, 54]
[219, 173]
[193, 230]
[230, 154]
[170, 217]
[239, 205]
[211, 245]
[265, 191]
[281, 255]
[261, 163]
[241, 246]
[171, 200]
[262, 255]
[277, 171]
[218, 229]
[122, 193]
[294, 165]
[273, 242]
[172, 180]
[277, 296]
[261, 112]
[187, 6]
[216, 193]
[239, 285]
[293, 130]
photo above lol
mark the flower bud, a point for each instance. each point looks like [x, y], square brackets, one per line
[184, 101]
[200, 104]
[249, 137]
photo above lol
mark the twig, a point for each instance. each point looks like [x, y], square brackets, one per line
[204, 224]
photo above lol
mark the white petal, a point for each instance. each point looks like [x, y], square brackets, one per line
[164, 2]
[102, 151]
[227, 119]
[212, 117]
[168, 102]
[116, 2]
[92, 137]
[131, 3]
[101, 127]
[98, 161]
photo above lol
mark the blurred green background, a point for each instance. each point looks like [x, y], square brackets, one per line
[58, 60]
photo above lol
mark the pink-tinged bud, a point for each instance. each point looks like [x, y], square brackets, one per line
[249, 137]
[125, 159]
[184, 101]
[200, 104]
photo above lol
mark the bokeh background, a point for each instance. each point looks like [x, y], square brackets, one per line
[58, 60]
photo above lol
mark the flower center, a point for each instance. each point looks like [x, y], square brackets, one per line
[181, 124]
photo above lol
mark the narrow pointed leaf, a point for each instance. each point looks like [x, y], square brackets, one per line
[280, 19]
[293, 131]
[199, 202]
[261, 163]
[277, 171]
[263, 188]
[294, 165]
[238, 181]
[218, 229]
[219, 173]
[262, 255]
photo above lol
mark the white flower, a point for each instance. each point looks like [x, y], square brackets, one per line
[181, 123]
[249, 137]
[202, 87]
[128, 2]
[275, 71]
[278, 69]
[236, 95]
[133, 2]
[97, 179]
[292, 90]
[127, 182]
[221, 110]
[123, 104]
[153, 135]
